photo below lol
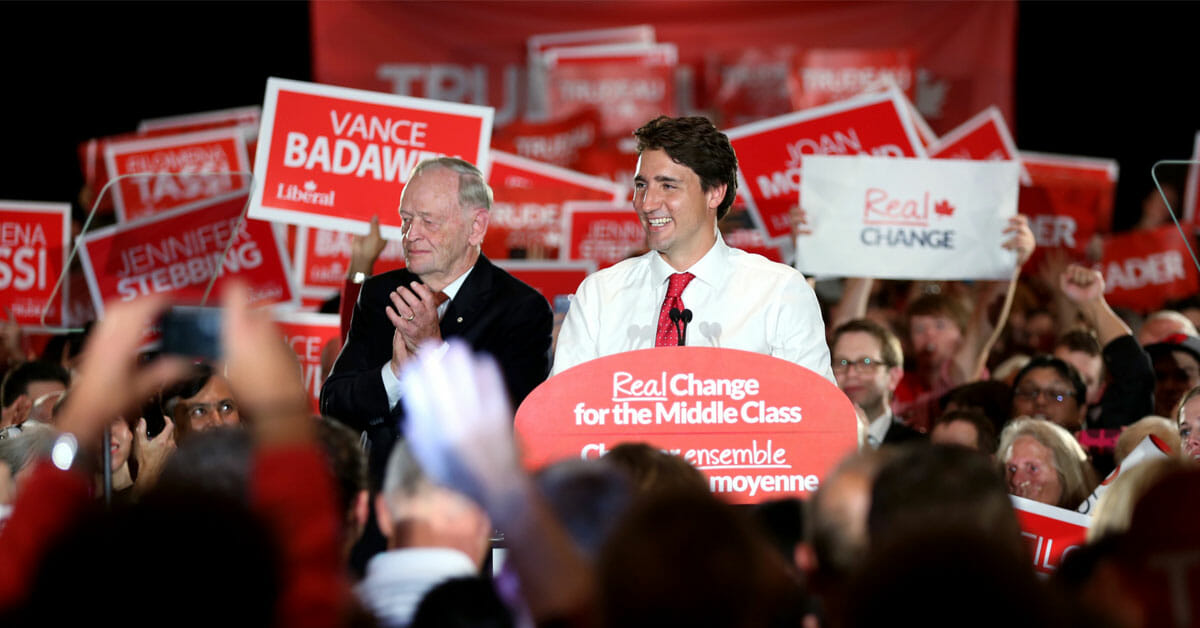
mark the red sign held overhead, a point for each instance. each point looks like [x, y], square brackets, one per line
[605, 233]
[1050, 533]
[176, 170]
[769, 152]
[1144, 269]
[34, 240]
[759, 428]
[332, 157]
[178, 252]
[307, 334]
[527, 212]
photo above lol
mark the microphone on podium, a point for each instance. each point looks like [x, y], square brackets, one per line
[680, 318]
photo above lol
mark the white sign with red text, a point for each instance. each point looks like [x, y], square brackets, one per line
[178, 252]
[770, 151]
[307, 334]
[1150, 448]
[175, 170]
[332, 157]
[34, 240]
[1050, 533]
[907, 218]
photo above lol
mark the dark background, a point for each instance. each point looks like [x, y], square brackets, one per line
[1106, 79]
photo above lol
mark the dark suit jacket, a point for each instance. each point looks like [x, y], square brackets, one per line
[900, 433]
[493, 311]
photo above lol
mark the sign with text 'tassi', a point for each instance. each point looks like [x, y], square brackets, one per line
[758, 427]
[332, 157]
[33, 253]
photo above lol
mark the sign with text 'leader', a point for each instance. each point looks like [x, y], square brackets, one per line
[307, 334]
[1050, 533]
[907, 218]
[770, 151]
[178, 252]
[176, 170]
[34, 240]
[1145, 268]
[758, 427]
[605, 233]
[526, 214]
[332, 157]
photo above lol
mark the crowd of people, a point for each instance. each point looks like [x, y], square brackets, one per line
[131, 482]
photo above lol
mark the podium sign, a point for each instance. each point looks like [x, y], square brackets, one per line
[758, 427]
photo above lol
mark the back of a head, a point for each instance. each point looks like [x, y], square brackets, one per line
[215, 462]
[462, 603]
[588, 497]
[26, 444]
[992, 398]
[17, 379]
[687, 559]
[1133, 434]
[346, 459]
[652, 469]
[838, 513]
[1114, 510]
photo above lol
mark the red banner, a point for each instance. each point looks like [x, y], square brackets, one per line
[526, 216]
[477, 52]
[759, 428]
[1050, 533]
[185, 169]
[34, 241]
[177, 253]
[555, 280]
[769, 152]
[332, 157]
[1144, 269]
[307, 334]
[322, 259]
[605, 233]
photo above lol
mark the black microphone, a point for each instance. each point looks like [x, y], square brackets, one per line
[680, 319]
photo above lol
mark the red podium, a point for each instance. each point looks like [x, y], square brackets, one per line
[758, 427]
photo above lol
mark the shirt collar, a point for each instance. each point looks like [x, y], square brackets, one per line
[710, 269]
[878, 429]
[452, 289]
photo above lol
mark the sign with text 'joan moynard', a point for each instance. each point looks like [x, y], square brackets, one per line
[907, 218]
[332, 157]
[758, 427]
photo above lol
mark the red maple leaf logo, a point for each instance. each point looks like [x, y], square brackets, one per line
[944, 208]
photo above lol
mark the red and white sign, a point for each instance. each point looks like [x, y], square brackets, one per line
[239, 117]
[557, 143]
[1050, 533]
[527, 212]
[1070, 200]
[628, 83]
[984, 137]
[177, 253]
[749, 85]
[538, 44]
[322, 259]
[307, 334]
[824, 76]
[769, 152]
[603, 232]
[1144, 269]
[34, 241]
[553, 279]
[907, 218]
[332, 157]
[1150, 448]
[758, 427]
[176, 170]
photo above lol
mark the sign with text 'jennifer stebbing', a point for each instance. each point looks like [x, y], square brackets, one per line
[332, 157]
[758, 427]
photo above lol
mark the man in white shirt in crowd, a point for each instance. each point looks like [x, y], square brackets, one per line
[868, 363]
[686, 181]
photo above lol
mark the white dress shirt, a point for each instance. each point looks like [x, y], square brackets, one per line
[738, 301]
[397, 580]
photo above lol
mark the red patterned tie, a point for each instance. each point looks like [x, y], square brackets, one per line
[667, 335]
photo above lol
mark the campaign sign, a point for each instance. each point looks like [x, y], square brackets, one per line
[538, 44]
[332, 157]
[984, 137]
[34, 241]
[239, 116]
[178, 252]
[758, 427]
[307, 334]
[558, 143]
[526, 214]
[1050, 533]
[1070, 198]
[628, 83]
[177, 169]
[1150, 448]
[603, 232]
[907, 218]
[552, 279]
[322, 259]
[1145, 268]
[770, 151]
[828, 75]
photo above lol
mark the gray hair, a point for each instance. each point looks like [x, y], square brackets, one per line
[1070, 461]
[26, 443]
[403, 479]
[473, 190]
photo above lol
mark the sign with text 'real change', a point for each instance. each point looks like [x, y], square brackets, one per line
[33, 253]
[758, 427]
[907, 218]
[332, 157]
[178, 252]
[770, 151]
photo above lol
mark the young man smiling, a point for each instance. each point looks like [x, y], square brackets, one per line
[686, 181]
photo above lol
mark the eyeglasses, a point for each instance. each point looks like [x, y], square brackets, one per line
[1056, 396]
[864, 366]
